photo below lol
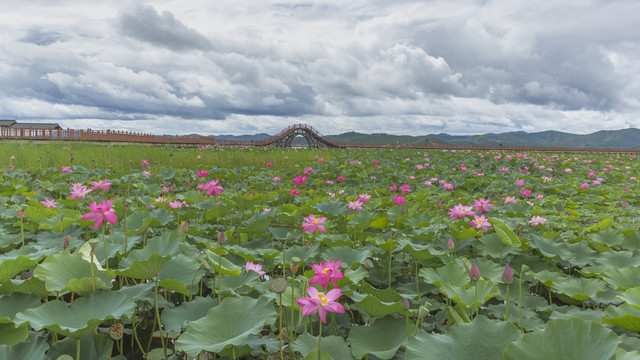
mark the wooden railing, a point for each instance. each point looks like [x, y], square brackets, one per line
[100, 135]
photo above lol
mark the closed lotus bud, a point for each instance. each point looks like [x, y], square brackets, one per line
[185, 227]
[65, 241]
[450, 244]
[474, 272]
[507, 275]
[222, 237]
[406, 304]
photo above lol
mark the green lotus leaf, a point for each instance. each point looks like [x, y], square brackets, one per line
[374, 307]
[625, 316]
[549, 247]
[33, 349]
[70, 272]
[222, 265]
[10, 267]
[32, 285]
[258, 223]
[548, 278]
[609, 237]
[380, 222]
[621, 278]
[179, 274]
[348, 255]
[95, 347]
[306, 254]
[619, 259]
[631, 296]
[579, 288]
[138, 222]
[335, 346]
[333, 207]
[146, 263]
[36, 215]
[418, 251]
[80, 317]
[506, 235]
[233, 322]
[466, 296]
[463, 233]
[14, 303]
[565, 339]
[177, 318]
[482, 339]
[601, 225]
[450, 273]
[622, 354]
[10, 334]
[382, 339]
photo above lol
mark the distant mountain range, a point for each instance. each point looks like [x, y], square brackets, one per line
[612, 139]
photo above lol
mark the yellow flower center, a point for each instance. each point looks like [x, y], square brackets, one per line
[325, 270]
[315, 221]
[323, 298]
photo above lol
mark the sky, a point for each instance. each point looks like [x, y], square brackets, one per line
[372, 66]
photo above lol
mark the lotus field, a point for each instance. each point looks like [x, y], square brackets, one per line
[318, 254]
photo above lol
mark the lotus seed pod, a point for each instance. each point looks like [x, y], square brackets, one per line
[278, 285]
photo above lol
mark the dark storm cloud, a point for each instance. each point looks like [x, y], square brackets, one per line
[144, 23]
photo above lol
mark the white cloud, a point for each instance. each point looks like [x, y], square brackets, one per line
[402, 67]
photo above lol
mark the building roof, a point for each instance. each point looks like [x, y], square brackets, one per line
[7, 122]
[35, 125]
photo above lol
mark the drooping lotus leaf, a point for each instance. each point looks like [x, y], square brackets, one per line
[80, 317]
[482, 339]
[631, 296]
[506, 235]
[625, 316]
[335, 346]
[221, 264]
[621, 278]
[232, 322]
[565, 339]
[33, 349]
[32, 285]
[382, 339]
[10, 267]
[420, 251]
[70, 272]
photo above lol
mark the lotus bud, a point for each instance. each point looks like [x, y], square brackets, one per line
[222, 237]
[450, 244]
[474, 272]
[185, 227]
[507, 275]
[65, 241]
[406, 304]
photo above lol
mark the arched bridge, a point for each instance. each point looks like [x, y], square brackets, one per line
[285, 138]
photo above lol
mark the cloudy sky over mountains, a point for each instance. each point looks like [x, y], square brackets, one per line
[244, 67]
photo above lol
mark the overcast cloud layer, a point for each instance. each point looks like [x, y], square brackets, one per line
[244, 67]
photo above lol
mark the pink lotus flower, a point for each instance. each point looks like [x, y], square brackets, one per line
[49, 203]
[461, 211]
[320, 302]
[102, 184]
[537, 220]
[510, 200]
[525, 192]
[393, 187]
[312, 224]
[447, 186]
[481, 205]
[398, 200]
[355, 205]
[101, 212]
[321, 160]
[212, 187]
[275, 179]
[480, 222]
[66, 169]
[299, 180]
[146, 173]
[269, 164]
[584, 186]
[363, 198]
[160, 199]
[308, 171]
[79, 191]
[177, 204]
[202, 173]
[144, 163]
[520, 182]
[329, 182]
[254, 267]
[21, 214]
[340, 178]
[405, 189]
[326, 272]
[294, 192]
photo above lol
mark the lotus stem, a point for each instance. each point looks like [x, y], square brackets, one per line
[22, 234]
[506, 311]
[78, 349]
[280, 327]
[106, 256]
[157, 311]
[520, 286]
[319, 338]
